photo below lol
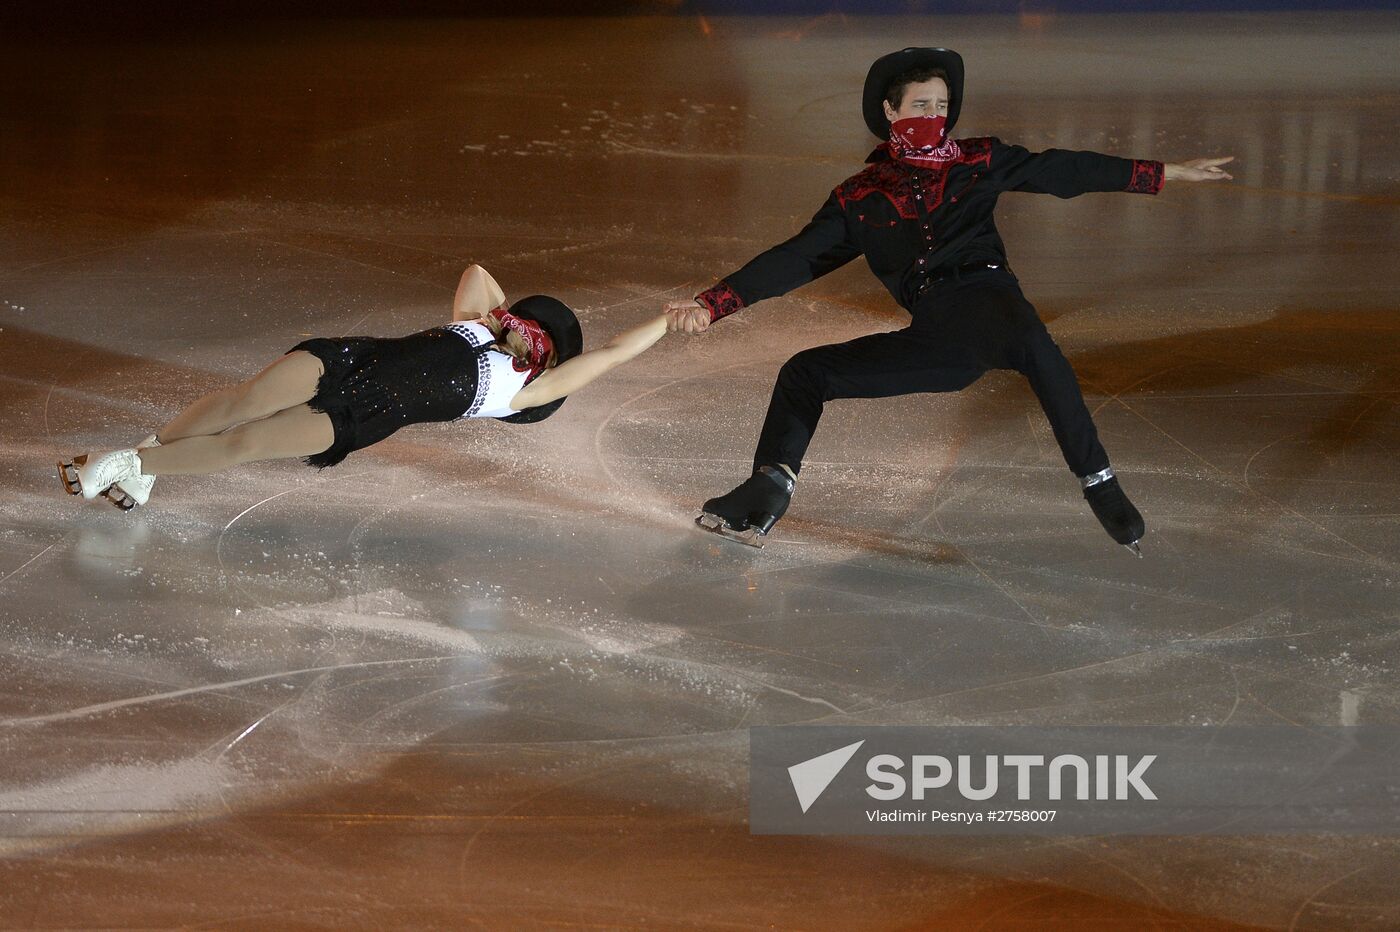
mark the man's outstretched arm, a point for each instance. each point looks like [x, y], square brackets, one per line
[1199, 170]
[822, 246]
[1069, 173]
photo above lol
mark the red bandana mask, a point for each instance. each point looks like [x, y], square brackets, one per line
[536, 338]
[922, 141]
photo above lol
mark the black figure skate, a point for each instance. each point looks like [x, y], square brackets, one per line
[1117, 515]
[749, 512]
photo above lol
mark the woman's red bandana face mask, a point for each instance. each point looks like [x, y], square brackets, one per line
[536, 339]
[921, 141]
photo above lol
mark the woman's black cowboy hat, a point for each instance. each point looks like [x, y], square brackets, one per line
[891, 66]
[560, 322]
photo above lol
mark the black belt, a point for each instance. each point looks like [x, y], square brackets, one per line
[957, 271]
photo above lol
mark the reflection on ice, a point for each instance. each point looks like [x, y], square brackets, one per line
[492, 671]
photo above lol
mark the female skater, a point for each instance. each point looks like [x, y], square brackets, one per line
[328, 397]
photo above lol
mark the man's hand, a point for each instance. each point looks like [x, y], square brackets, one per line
[686, 317]
[1199, 170]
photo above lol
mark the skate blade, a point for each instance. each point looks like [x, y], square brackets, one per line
[1136, 550]
[120, 498]
[750, 537]
[68, 475]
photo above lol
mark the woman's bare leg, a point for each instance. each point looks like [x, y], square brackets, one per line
[296, 431]
[285, 383]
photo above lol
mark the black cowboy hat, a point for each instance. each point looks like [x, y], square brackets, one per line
[560, 322]
[891, 66]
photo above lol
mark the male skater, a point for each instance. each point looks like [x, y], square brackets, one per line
[921, 214]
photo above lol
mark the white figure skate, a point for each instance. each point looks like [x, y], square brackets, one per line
[91, 475]
[129, 493]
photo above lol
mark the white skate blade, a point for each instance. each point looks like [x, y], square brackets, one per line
[119, 497]
[751, 537]
[1136, 550]
[129, 493]
[68, 475]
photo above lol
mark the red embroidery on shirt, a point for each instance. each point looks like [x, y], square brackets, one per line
[892, 180]
[1147, 177]
[721, 300]
[886, 178]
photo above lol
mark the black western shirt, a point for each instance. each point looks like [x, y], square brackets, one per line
[914, 223]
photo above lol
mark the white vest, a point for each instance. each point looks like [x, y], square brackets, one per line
[496, 378]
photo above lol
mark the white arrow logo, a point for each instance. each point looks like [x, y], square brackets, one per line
[811, 777]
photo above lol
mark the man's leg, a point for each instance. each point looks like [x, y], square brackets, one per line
[877, 366]
[1001, 329]
[992, 317]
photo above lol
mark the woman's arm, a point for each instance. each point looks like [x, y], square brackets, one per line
[573, 374]
[477, 295]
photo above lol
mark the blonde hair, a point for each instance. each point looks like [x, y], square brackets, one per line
[512, 343]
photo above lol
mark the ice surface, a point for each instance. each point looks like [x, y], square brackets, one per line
[489, 673]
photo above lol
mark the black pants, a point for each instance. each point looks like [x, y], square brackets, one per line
[963, 326]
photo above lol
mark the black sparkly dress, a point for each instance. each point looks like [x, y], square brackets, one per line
[373, 386]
